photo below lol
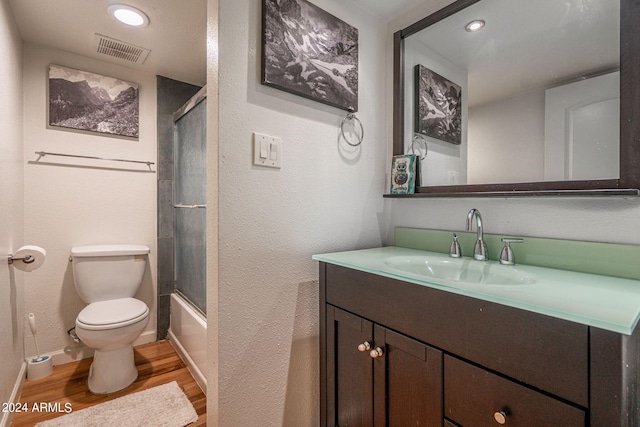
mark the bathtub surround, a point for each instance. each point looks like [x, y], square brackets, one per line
[73, 202]
[172, 94]
[188, 335]
[12, 316]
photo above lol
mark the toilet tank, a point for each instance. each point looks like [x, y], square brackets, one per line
[104, 272]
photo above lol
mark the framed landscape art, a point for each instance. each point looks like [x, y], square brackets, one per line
[438, 106]
[309, 52]
[91, 102]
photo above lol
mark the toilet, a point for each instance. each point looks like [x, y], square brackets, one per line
[107, 277]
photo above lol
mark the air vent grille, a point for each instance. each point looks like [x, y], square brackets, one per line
[118, 49]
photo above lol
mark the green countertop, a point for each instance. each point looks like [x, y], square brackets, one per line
[605, 302]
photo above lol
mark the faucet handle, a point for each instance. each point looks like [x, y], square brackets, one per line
[506, 256]
[454, 250]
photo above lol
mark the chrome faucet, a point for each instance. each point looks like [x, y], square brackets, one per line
[480, 249]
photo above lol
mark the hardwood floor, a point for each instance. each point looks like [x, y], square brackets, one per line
[157, 364]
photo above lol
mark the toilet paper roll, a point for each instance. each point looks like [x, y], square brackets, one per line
[38, 254]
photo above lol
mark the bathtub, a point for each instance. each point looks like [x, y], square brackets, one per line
[188, 335]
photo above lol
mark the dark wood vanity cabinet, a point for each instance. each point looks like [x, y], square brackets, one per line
[455, 361]
[397, 382]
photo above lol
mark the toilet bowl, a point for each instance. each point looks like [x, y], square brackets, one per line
[107, 277]
[110, 327]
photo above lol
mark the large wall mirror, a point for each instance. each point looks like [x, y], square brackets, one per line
[543, 99]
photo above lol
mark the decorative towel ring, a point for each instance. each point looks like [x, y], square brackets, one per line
[420, 142]
[351, 116]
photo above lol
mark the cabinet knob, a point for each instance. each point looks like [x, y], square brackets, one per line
[365, 346]
[376, 352]
[500, 417]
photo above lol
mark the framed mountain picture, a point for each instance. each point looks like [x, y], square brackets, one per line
[309, 52]
[438, 106]
[91, 102]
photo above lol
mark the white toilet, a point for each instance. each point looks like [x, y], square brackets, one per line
[107, 277]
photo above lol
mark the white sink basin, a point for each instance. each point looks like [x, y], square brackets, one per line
[459, 271]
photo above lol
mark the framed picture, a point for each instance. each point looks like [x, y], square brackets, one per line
[438, 106]
[403, 174]
[309, 52]
[90, 102]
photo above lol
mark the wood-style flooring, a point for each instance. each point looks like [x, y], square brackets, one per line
[157, 364]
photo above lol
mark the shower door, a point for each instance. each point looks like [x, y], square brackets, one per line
[189, 198]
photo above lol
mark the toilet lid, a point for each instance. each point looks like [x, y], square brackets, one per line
[113, 313]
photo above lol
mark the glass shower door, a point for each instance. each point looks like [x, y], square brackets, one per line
[189, 198]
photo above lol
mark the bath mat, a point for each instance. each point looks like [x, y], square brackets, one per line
[161, 406]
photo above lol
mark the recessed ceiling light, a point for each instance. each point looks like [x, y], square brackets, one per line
[129, 15]
[475, 25]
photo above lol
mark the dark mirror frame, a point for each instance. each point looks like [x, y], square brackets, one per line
[629, 182]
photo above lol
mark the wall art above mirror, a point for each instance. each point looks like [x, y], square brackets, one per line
[550, 97]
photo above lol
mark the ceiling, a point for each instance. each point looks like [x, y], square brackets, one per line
[176, 34]
[389, 9]
[177, 41]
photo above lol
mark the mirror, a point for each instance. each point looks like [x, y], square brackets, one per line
[530, 103]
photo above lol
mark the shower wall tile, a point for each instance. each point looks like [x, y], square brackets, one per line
[164, 312]
[165, 159]
[165, 266]
[165, 209]
[172, 95]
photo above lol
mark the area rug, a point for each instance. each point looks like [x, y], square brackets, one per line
[161, 406]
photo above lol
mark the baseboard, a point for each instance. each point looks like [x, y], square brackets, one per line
[80, 351]
[146, 337]
[7, 417]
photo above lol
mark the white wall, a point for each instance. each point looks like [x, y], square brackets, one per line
[325, 198]
[72, 202]
[11, 205]
[506, 140]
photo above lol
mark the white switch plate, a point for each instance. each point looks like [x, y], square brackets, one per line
[273, 157]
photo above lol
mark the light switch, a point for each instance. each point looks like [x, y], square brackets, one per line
[267, 151]
[264, 149]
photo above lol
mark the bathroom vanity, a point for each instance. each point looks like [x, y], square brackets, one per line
[400, 350]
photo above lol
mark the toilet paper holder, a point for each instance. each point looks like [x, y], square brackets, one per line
[27, 259]
[32, 258]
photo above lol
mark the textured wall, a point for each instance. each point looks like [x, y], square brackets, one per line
[11, 204]
[71, 202]
[325, 198]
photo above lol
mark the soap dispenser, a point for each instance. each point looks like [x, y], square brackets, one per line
[454, 250]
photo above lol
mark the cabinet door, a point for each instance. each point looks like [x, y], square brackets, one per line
[407, 382]
[349, 370]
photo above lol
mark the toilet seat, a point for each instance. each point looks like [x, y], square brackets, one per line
[112, 314]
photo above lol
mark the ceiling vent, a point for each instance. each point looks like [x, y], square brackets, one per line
[118, 49]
